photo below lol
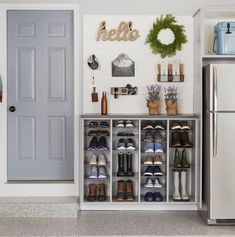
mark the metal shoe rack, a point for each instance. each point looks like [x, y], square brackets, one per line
[138, 180]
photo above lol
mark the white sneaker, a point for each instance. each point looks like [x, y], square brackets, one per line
[101, 160]
[93, 159]
[157, 184]
[148, 183]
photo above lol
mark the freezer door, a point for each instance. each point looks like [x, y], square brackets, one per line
[222, 166]
[221, 83]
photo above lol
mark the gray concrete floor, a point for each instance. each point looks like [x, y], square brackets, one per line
[114, 223]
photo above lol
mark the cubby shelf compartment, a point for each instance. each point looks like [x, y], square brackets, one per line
[138, 164]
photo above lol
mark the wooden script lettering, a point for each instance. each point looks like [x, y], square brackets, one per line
[124, 32]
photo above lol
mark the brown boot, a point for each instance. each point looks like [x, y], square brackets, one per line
[121, 191]
[185, 140]
[92, 192]
[129, 191]
[101, 192]
[175, 140]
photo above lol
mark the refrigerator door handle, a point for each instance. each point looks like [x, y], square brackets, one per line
[215, 134]
[215, 89]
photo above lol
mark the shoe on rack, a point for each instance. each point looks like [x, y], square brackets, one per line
[156, 183]
[101, 192]
[93, 144]
[175, 125]
[183, 186]
[158, 147]
[185, 140]
[129, 124]
[124, 133]
[104, 124]
[148, 160]
[121, 144]
[159, 125]
[93, 124]
[176, 140]
[157, 197]
[129, 169]
[148, 197]
[157, 137]
[149, 147]
[93, 159]
[148, 171]
[177, 159]
[101, 160]
[148, 137]
[104, 133]
[157, 171]
[93, 172]
[176, 194]
[92, 192]
[129, 191]
[121, 191]
[102, 145]
[149, 125]
[102, 172]
[184, 160]
[157, 160]
[148, 183]
[93, 133]
[130, 144]
[120, 171]
[120, 124]
[185, 125]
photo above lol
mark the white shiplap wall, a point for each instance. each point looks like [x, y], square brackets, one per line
[145, 65]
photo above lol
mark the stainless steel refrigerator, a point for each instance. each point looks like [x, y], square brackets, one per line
[219, 143]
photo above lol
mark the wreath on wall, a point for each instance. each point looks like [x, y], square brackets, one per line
[166, 37]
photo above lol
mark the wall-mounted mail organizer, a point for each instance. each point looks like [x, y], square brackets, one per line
[172, 73]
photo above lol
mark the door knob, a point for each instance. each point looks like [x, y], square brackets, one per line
[12, 109]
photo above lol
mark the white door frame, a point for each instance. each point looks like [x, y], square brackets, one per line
[43, 188]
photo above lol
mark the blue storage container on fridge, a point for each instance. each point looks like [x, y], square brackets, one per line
[224, 38]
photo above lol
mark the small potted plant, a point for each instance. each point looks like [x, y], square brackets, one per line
[171, 100]
[153, 100]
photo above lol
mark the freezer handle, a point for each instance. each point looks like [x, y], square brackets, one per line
[215, 89]
[215, 134]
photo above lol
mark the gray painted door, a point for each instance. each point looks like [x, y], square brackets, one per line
[40, 87]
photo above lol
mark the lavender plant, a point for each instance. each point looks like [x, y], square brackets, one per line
[171, 93]
[154, 91]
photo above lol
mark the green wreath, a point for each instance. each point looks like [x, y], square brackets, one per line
[167, 22]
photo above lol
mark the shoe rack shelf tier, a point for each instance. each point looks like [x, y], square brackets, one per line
[129, 174]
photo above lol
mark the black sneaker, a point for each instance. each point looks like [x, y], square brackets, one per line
[159, 125]
[148, 171]
[104, 124]
[129, 124]
[148, 197]
[157, 171]
[121, 144]
[149, 125]
[148, 137]
[157, 197]
[93, 144]
[130, 144]
[102, 145]
[123, 133]
[93, 124]
[120, 124]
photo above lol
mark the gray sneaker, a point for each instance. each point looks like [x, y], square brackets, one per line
[102, 172]
[93, 172]
[157, 136]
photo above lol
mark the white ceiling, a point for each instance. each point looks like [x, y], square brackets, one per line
[143, 7]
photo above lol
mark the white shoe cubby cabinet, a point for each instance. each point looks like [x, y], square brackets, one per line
[166, 179]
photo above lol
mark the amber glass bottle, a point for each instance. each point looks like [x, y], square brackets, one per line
[104, 104]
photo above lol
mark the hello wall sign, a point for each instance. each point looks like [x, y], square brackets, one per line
[124, 32]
